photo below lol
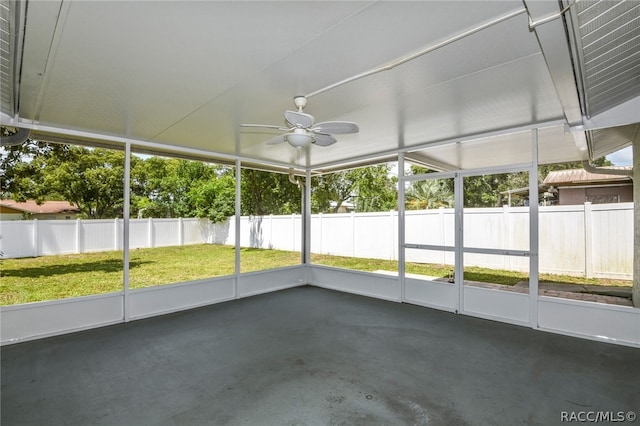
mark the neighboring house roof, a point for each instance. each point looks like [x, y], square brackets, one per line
[47, 207]
[582, 177]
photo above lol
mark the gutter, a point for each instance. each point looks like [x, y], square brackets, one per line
[295, 180]
[15, 139]
[605, 171]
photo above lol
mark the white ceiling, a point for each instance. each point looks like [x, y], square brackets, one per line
[187, 74]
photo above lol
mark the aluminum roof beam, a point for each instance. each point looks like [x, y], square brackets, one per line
[556, 50]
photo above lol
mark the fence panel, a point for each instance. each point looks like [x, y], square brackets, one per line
[316, 232]
[57, 237]
[225, 232]
[337, 234]
[426, 227]
[166, 232]
[98, 235]
[576, 240]
[432, 227]
[562, 240]
[373, 236]
[279, 232]
[196, 231]
[139, 233]
[518, 236]
[612, 241]
[18, 239]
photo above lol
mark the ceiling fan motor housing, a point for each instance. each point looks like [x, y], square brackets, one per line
[300, 102]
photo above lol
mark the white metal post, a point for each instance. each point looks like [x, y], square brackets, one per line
[237, 228]
[459, 240]
[401, 228]
[125, 229]
[635, 289]
[306, 221]
[533, 231]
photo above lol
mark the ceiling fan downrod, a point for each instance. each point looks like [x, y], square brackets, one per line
[300, 102]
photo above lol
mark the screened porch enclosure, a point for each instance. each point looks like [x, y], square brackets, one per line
[183, 322]
[467, 90]
[443, 241]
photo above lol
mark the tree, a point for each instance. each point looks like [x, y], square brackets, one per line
[163, 187]
[90, 178]
[373, 188]
[93, 180]
[214, 198]
[325, 189]
[369, 188]
[18, 172]
[265, 193]
[429, 194]
[490, 190]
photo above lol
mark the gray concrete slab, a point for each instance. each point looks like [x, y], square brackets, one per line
[309, 356]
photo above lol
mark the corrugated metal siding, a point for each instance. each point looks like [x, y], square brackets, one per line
[605, 141]
[6, 69]
[609, 35]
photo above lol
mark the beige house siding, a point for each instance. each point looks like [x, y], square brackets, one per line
[597, 195]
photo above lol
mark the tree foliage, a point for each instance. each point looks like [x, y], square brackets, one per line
[265, 193]
[162, 187]
[368, 188]
[168, 187]
[93, 179]
[90, 178]
[483, 190]
[429, 194]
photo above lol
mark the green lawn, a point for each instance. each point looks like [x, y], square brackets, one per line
[56, 277]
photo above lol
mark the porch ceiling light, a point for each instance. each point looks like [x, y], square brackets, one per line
[299, 138]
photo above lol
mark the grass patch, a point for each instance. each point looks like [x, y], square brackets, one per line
[471, 273]
[56, 277]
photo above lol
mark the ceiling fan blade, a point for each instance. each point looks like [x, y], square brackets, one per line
[299, 119]
[275, 140]
[337, 127]
[323, 139]
[265, 126]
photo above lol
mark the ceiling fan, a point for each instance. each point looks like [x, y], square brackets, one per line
[301, 129]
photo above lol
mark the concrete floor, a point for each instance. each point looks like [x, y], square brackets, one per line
[309, 356]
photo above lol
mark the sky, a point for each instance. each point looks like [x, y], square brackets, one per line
[624, 157]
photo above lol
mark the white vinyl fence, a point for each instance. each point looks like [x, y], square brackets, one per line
[587, 240]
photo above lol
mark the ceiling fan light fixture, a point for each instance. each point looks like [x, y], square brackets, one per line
[299, 139]
[302, 130]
